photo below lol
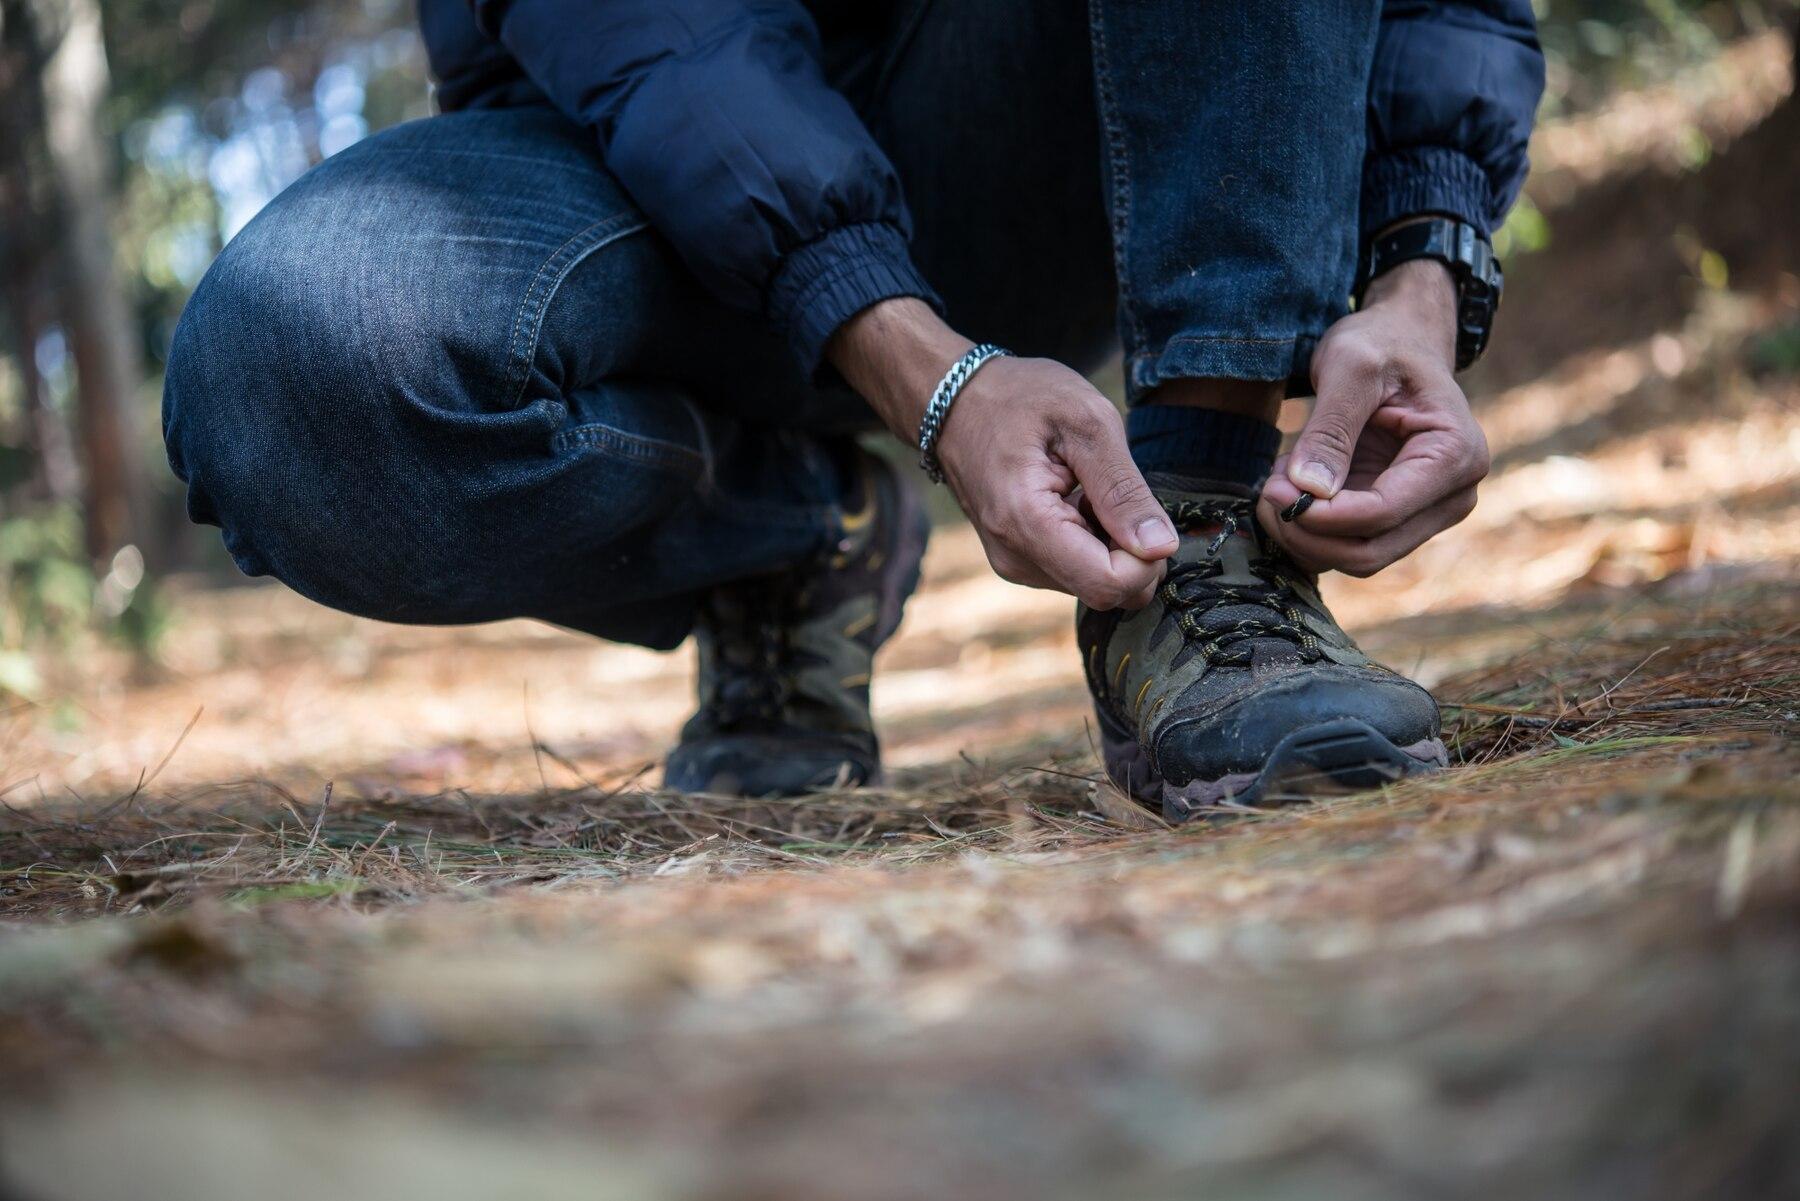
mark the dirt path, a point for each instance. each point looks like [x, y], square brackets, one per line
[1564, 969]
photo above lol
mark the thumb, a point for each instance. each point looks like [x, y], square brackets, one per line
[1116, 491]
[1348, 393]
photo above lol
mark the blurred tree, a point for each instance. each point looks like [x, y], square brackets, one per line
[1751, 194]
[56, 85]
[1597, 48]
[37, 462]
[217, 105]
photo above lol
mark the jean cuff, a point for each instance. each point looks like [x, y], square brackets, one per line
[1424, 179]
[1210, 356]
[831, 279]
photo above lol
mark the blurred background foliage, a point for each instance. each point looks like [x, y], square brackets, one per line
[1595, 48]
[137, 136]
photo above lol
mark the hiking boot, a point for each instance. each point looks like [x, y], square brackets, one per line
[785, 659]
[1235, 687]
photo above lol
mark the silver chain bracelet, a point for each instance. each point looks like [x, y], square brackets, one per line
[947, 390]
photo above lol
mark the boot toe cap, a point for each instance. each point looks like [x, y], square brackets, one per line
[1245, 733]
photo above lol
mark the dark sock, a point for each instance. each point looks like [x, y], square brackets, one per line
[1201, 444]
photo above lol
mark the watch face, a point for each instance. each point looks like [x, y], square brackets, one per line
[1474, 321]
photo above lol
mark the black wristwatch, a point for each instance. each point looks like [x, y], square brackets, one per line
[1470, 257]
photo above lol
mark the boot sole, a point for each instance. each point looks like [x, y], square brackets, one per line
[1345, 754]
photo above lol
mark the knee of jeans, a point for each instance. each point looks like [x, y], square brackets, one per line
[284, 506]
[350, 295]
[217, 439]
[365, 476]
[273, 406]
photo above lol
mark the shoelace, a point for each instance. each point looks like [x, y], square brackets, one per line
[1192, 590]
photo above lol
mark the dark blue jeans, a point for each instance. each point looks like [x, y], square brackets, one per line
[453, 375]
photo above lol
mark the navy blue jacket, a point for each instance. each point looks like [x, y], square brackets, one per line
[718, 118]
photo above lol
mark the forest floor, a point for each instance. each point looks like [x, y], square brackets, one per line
[320, 907]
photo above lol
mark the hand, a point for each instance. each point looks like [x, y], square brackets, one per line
[1023, 437]
[1391, 453]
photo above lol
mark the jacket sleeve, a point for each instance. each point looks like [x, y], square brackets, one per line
[716, 117]
[1452, 96]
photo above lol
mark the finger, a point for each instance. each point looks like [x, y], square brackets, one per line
[1009, 564]
[1015, 569]
[1139, 579]
[1432, 467]
[1097, 595]
[1350, 384]
[1130, 562]
[1115, 489]
[1083, 567]
[1053, 547]
[1145, 594]
[1278, 488]
[1148, 593]
[1292, 504]
[1364, 556]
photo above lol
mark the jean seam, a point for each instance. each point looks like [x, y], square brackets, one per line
[695, 468]
[1119, 159]
[1146, 359]
[1211, 340]
[640, 448]
[497, 156]
[528, 322]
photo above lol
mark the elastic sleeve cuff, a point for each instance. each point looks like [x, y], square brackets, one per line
[1424, 179]
[831, 279]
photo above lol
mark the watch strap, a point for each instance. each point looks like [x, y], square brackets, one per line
[1470, 257]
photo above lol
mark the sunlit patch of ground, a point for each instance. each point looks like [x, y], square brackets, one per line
[325, 908]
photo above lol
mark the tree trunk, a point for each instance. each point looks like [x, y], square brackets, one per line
[1746, 197]
[101, 327]
[55, 476]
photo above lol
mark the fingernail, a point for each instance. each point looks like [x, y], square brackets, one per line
[1315, 477]
[1156, 535]
[1300, 505]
